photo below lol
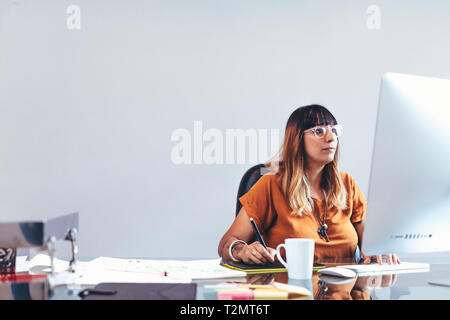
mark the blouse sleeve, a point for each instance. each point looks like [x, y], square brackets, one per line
[359, 203]
[258, 202]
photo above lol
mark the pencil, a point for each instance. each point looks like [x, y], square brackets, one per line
[258, 235]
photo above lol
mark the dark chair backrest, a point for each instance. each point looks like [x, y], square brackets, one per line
[248, 180]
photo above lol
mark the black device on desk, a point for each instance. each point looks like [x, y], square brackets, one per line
[141, 291]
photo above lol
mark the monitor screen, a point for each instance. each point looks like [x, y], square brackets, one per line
[409, 191]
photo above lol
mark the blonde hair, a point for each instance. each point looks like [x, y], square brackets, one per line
[289, 163]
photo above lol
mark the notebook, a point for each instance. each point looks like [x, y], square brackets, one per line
[275, 267]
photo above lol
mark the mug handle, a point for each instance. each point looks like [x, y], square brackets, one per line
[281, 245]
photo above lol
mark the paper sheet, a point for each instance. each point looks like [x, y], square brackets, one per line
[192, 269]
[104, 269]
[41, 264]
[21, 264]
[93, 277]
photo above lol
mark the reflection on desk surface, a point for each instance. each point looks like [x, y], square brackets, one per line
[322, 287]
[386, 287]
[383, 286]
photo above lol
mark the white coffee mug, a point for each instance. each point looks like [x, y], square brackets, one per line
[299, 256]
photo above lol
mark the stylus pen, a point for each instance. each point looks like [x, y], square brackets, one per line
[258, 235]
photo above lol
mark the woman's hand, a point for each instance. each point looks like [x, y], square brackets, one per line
[390, 258]
[369, 283]
[254, 253]
[261, 278]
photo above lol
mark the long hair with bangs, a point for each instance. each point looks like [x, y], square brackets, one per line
[291, 165]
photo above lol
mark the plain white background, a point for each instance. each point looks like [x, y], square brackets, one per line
[86, 115]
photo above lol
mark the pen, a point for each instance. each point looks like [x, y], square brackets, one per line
[258, 235]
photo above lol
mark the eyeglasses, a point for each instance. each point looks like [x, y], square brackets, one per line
[321, 131]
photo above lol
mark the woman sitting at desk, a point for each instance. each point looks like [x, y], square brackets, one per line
[307, 197]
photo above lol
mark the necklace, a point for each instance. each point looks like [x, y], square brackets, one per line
[322, 223]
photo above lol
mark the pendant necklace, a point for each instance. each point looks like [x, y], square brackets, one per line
[322, 223]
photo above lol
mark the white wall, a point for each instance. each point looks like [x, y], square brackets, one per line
[87, 115]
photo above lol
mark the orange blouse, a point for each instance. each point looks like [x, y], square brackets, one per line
[266, 204]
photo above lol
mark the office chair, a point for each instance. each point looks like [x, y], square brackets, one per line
[248, 180]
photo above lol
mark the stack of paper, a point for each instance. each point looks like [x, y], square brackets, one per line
[193, 269]
[21, 264]
[104, 269]
[41, 264]
[247, 291]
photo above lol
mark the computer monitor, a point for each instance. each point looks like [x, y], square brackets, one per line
[409, 191]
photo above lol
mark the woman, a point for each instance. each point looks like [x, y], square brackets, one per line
[307, 197]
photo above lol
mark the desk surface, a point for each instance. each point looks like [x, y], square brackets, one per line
[401, 286]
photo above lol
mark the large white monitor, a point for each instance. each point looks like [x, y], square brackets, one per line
[409, 192]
